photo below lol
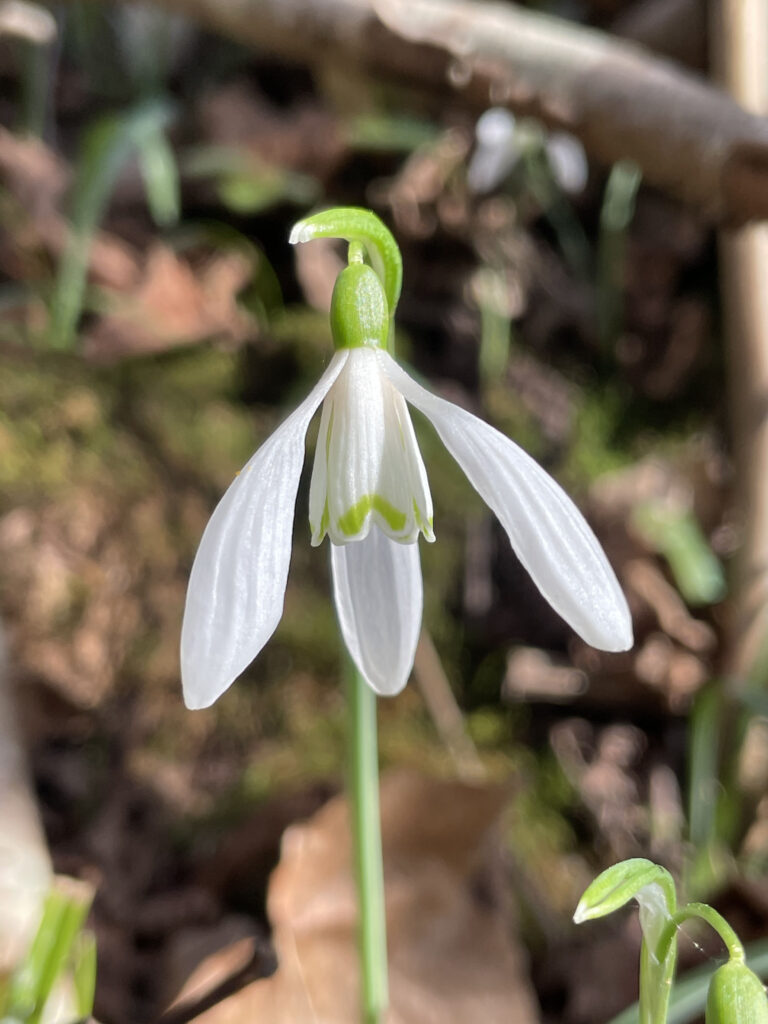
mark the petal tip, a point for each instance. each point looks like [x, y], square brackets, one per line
[625, 641]
[194, 703]
[614, 637]
[384, 687]
[198, 693]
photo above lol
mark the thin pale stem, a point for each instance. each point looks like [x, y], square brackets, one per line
[366, 834]
[703, 912]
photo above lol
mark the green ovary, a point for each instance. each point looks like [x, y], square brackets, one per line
[352, 520]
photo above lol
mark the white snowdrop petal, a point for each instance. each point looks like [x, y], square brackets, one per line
[378, 591]
[318, 487]
[237, 584]
[548, 533]
[355, 446]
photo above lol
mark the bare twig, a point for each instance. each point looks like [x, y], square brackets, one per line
[670, 28]
[260, 964]
[688, 138]
[446, 714]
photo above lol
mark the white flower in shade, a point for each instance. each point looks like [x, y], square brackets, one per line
[369, 493]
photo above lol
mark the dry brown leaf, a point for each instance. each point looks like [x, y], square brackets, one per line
[172, 305]
[535, 674]
[451, 955]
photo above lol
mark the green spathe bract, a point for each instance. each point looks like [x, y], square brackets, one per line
[359, 313]
[653, 888]
[362, 228]
[621, 883]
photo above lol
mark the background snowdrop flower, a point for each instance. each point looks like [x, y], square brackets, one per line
[369, 494]
[497, 150]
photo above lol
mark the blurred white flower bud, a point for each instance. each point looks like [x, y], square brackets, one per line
[497, 150]
[568, 162]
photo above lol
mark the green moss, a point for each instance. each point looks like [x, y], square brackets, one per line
[595, 450]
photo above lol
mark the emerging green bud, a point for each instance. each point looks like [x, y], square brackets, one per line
[736, 996]
[638, 879]
[359, 313]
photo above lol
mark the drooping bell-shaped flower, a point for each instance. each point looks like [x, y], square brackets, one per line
[369, 494]
[368, 468]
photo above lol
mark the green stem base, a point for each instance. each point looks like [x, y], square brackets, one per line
[366, 836]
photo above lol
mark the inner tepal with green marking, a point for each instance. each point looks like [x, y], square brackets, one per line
[368, 468]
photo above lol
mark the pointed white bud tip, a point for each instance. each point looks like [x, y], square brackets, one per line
[301, 232]
[582, 913]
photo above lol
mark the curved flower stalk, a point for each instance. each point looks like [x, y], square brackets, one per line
[370, 495]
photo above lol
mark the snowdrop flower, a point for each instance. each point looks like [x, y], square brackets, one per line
[568, 162]
[369, 494]
[497, 150]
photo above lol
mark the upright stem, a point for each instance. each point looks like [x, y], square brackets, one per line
[366, 833]
[656, 975]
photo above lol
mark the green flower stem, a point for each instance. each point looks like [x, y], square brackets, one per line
[656, 974]
[713, 919]
[366, 834]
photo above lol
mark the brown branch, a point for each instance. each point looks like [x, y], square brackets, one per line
[689, 139]
[676, 29]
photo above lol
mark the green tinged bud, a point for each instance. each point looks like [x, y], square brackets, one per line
[359, 313]
[638, 879]
[736, 996]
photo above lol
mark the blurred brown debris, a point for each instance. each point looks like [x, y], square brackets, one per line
[173, 304]
[452, 956]
[156, 301]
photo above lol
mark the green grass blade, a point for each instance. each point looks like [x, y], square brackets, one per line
[65, 910]
[675, 533]
[616, 215]
[107, 146]
[84, 973]
[160, 172]
[704, 782]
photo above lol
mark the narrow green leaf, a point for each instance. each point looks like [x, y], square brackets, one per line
[675, 533]
[23, 995]
[106, 147]
[616, 215]
[381, 132]
[84, 973]
[554, 203]
[161, 177]
[65, 910]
